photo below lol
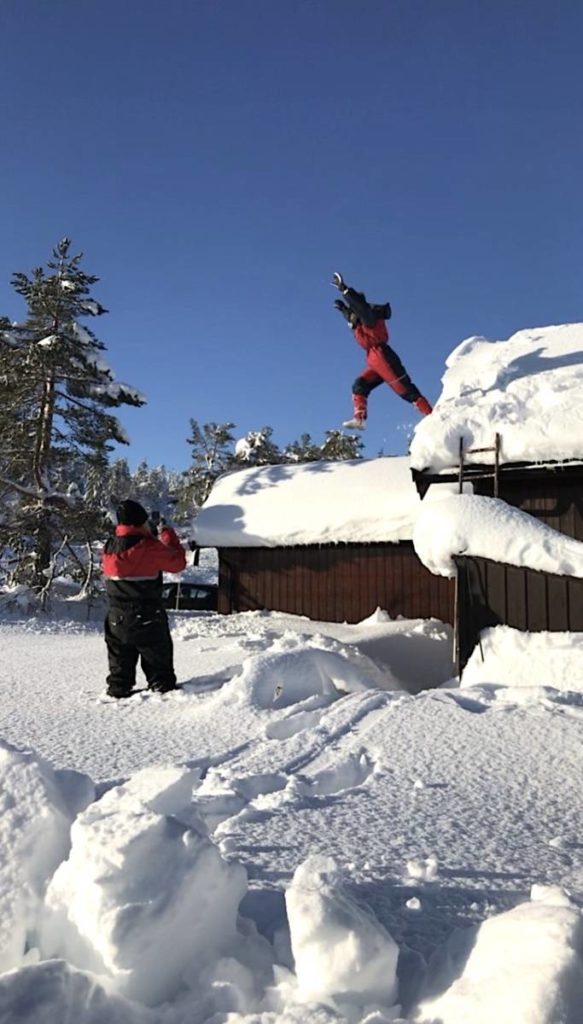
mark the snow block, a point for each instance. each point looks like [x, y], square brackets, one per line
[342, 953]
[522, 967]
[53, 992]
[35, 822]
[145, 899]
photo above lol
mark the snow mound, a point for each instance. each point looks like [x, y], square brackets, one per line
[144, 900]
[468, 524]
[342, 954]
[53, 993]
[529, 389]
[35, 821]
[278, 679]
[512, 658]
[522, 967]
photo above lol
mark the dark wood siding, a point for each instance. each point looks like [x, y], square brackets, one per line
[333, 583]
[493, 594]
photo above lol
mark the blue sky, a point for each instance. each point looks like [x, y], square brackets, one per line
[216, 160]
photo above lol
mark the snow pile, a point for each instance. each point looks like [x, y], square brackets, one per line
[342, 954]
[467, 524]
[145, 900]
[529, 389]
[282, 678]
[35, 822]
[522, 967]
[53, 992]
[512, 658]
[356, 501]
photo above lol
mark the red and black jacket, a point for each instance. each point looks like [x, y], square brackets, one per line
[133, 562]
[368, 321]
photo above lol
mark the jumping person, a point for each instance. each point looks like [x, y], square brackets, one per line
[136, 625]
[368, 323]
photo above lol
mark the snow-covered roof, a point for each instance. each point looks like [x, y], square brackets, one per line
[358, 501]
[465, 524]
[528, 388]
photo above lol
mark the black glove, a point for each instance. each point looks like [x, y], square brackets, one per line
[338, 282]
[339, 304]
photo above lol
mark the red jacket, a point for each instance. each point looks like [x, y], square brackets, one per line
[134, 560]
[372, 336]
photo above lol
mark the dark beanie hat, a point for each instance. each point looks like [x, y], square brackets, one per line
[131, 513]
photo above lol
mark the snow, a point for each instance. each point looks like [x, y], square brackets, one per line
[509, 658]
[466, 524]
[528, 388]
[320, 827]
[357, 501]
[544, 974]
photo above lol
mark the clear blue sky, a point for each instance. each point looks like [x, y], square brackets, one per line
[216, 160]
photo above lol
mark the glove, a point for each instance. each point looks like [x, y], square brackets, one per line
[339, 304]
[337, 281]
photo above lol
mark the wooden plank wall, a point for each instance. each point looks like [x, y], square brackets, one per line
[491, 594]
[333, 583]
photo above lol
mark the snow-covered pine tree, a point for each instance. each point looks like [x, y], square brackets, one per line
[212, 454]
[339, 447]
[303, 450]
[56, 392]
[258, 449]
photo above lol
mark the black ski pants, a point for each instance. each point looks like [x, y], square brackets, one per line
[135, 632]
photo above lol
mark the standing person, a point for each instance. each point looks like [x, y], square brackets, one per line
[368, 323]
[136, 625]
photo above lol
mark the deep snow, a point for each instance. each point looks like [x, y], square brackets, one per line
[293, 836]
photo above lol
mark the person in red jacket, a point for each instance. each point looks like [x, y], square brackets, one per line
[368, 323]
[136, 625]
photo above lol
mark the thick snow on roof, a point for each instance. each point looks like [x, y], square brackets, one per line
[317, 503]
[467, 524]
[529, 389]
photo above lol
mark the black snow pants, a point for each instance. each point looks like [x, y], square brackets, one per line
[138, 631]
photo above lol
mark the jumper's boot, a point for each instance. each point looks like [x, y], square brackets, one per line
[358, 421]
[354, 424]
[423, 406]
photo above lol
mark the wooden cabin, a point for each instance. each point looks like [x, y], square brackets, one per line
[508, 424]
[328, 540]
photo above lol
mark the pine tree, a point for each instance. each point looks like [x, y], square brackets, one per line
[212, 454]
[339, 447]
[55, 392]
[303, 450]
[258, 449]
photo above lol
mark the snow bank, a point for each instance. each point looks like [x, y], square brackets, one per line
[522, 967]
[35, 821]
[145, 900]
[342, 953]
[528, 388]
[468, 524]
[513, 658]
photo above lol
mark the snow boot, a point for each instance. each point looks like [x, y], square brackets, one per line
[354, 424]
[423, 406]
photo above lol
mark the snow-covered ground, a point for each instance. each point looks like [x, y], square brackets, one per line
[320, 826]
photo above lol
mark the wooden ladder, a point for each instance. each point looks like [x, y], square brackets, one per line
[494, 472]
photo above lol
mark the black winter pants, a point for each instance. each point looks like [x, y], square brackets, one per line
[142, 632]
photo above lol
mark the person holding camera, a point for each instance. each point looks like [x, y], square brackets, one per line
[136, 625]
[368, 323]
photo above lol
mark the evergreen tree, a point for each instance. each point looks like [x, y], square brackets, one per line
[258, 449]
[303, 450]
[339, 447]
[212, 454]
[55, 392]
